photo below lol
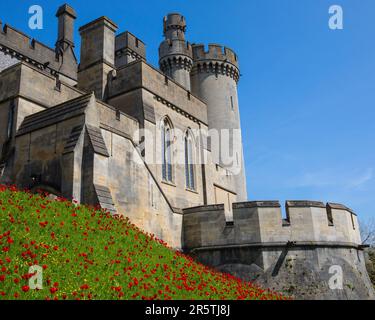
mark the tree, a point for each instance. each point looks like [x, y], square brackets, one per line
[368, 238]
[368, 232]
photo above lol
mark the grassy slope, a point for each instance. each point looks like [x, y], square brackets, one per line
[87, 254]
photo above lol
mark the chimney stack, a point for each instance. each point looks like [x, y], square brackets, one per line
[66, 16]
[97, 55]
[65, 43]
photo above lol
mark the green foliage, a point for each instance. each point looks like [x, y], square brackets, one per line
[88, 254]
[370, 265]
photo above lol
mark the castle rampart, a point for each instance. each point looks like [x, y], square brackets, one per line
[20, 46]
[139, 74]
[217, 59]
[128, 48]
[215, 52]
[35, 85]
[293, 254]
[180, 48]
[261, 223]
[26, 47]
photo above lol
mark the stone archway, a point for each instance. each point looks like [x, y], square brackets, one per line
[47, 190]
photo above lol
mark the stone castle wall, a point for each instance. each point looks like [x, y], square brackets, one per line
[6, 61]
[29, 90]
[128, 48]
[262, 223]
[15, 45]
[140, 74]
[292, 255]
[69, 143]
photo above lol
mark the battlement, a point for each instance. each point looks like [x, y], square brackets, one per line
[27, 81]
[139, 74]
[20, 45]
[215, 52]
[127, 40]
[128, 48]
[217, 60]
[168, 48]
[261, 223]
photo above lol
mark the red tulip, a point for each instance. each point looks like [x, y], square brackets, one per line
[25, 288]
[53, 290]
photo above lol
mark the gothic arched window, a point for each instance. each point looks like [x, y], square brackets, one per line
[166, 149]
[11, 120]
[189, 161]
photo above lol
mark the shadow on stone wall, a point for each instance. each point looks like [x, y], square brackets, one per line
[370, 264]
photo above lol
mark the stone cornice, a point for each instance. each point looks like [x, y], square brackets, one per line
[297, 244]
[257, 204]
[19, 56]
[305, 204]
[128, 52]
[177, 109]
[199, 209]
[40, 66]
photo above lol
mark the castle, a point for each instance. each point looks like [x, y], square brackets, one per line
[153, 145]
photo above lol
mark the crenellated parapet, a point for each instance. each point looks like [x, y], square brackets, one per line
[128, 48]
[217, 59]
[176, 61]
[297, 252]
[261, 224]
[172, 52]
[20, 46]
[215, 52]
[57, 61]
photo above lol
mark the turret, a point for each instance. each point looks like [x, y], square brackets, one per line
[175, 54]
[214, 79]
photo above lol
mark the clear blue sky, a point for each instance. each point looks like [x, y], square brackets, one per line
[307, 93]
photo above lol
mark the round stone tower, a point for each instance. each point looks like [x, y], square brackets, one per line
[214, 79]
[175, 54]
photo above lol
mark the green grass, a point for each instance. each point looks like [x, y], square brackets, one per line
[87, 254]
